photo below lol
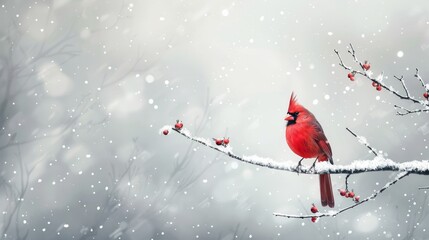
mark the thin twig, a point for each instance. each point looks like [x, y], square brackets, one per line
[367, 145]
[353, 53]
[408, 111]
[417, 75]
[401, 80]
[363, 141]
[347, 181]
[335, 213]
[341, 61]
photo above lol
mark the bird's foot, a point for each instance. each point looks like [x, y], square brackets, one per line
[299, 167]
[313, 166]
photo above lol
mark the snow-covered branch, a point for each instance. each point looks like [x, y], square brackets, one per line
[363, 141]
[358, 166]
[335, 213]
[378, 82]
[378, 164]
[408, 111]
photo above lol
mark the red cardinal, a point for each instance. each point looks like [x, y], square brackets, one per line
[305, 137]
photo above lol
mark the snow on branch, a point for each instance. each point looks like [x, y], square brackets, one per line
[378, 82]
[363, 141]
[333, 213]
[358, 166]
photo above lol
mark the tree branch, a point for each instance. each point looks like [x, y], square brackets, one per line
[406, 96]
[378, 164]
[335, 213]
[417, 75]
[363, 141]
[408, 111]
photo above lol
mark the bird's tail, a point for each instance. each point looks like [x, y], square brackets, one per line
[326, 194]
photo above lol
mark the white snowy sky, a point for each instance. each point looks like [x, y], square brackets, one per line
[120, 70]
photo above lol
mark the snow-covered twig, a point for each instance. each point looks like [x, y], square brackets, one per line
[417, 75]
[335, 213]
[363, 141]
[422, 188]
[359, 166]
[406, 96]
[408, 111]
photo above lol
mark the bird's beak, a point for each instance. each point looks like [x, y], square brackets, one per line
[289, 118]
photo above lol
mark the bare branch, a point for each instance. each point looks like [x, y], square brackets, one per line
[335, 213]
[408, 111]
[368, 75]
[363, 141]
[401, 80]
[21, 191]
[417, 75]
[341, 61]
[353, 53]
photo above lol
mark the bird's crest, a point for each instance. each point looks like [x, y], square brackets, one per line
[294, 106]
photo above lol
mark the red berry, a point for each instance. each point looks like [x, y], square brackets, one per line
[378, 88]
[218, 141]
[226, 141]
[426, 95]
[352, 78]
[178, 125]
[313, 219]
[165, 132]
[342, 192]
[374, 84]
[314, 209]
[351, 194]
[357, 199]
[350, 75]
[366, 66]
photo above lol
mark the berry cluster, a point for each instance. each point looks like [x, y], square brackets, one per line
[314, 209]
[178, 126]
[351, 76]
[349, 194]
[366, 66]
[377, 86]
[224, 142]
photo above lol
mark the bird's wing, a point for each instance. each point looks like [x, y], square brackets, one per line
[322, 141]
[324, 145]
